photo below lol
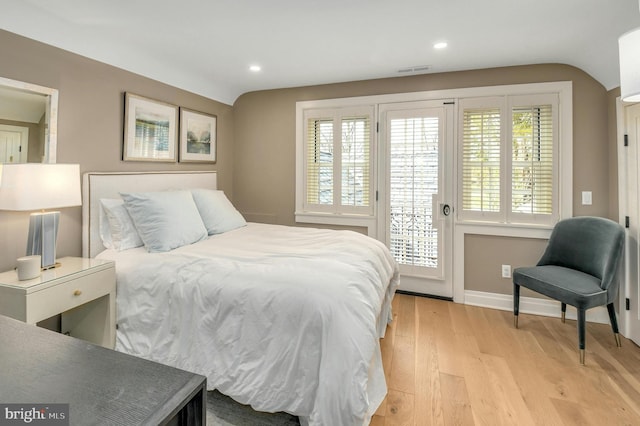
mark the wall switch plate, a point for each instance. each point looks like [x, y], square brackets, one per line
[506, 271]
[586, 198]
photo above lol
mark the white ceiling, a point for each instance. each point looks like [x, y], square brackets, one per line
[207, 46]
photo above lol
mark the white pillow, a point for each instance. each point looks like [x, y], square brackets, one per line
[217, 212]
[165, 220]
[105, 229]
[122, 231]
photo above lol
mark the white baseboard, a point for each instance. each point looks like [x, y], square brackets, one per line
[531, 305]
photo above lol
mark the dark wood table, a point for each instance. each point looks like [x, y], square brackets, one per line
[101, 386]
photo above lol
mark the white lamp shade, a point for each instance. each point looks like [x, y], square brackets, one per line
[38, 186]
[629, 45]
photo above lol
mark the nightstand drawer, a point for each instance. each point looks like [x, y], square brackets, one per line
[69, 294]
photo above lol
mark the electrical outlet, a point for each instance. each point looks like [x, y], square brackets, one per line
[506, 271]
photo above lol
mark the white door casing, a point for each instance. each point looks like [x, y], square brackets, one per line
[416, 188]
[629, 187]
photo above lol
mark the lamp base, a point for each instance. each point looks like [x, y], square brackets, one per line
[43, 233]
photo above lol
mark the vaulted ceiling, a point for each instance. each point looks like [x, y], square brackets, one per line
[208, 46]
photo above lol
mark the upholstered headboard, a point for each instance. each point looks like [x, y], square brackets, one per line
[98, 185]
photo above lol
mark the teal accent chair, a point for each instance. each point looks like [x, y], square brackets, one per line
[579, 268]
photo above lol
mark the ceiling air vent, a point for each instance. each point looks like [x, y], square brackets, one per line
[415, 69]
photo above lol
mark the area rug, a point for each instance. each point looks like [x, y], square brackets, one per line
[224, 411]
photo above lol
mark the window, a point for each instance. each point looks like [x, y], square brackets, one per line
[508, 159]
[338, 160]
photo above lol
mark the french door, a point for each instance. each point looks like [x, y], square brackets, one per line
[416, 188]
[631, 183]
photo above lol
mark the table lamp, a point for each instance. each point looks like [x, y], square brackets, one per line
[38, 186]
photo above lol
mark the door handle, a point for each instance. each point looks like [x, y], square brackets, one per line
[446, 209]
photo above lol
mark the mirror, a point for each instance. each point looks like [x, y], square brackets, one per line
[28, 122]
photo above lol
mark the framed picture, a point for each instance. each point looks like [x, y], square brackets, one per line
[150, 130]
[197, 137]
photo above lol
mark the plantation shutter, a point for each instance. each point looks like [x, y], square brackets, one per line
[533, 158]
[356, 137]
[319, 161]
[481, 161]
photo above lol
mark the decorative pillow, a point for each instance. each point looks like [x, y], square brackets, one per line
[122, 231]
[217, 212]
[165, 220]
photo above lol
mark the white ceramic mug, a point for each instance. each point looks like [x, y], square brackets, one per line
[29, 267]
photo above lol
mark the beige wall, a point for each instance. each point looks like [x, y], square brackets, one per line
[482, 270]
[264, 166]
[91, 109]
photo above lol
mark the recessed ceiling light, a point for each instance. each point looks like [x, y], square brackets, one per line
[255, 68]
[440, 45]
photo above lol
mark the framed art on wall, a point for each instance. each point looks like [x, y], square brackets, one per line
[150, 130]
[197, 136]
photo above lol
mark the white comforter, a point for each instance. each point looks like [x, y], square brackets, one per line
[281, 318]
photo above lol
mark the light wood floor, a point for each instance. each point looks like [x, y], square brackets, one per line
[452, 364]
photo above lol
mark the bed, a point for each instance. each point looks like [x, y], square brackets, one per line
[280, 318]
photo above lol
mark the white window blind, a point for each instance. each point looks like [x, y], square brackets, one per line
[338, 160]
[356, 137]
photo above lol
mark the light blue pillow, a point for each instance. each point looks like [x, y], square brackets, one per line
[217, 212]
[165, 220]
[122, 233]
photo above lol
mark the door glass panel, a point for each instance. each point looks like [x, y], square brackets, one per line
[414, 172]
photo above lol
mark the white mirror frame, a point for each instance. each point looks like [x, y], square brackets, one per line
[51, 132]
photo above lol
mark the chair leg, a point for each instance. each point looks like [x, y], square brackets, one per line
[563, 306]
[614, 323]
[516, 303]
[581, 332]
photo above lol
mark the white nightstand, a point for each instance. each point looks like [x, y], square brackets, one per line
[82, 290]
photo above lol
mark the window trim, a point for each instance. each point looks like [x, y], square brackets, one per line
[339, 114]
[505, 215]
[334, 215]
